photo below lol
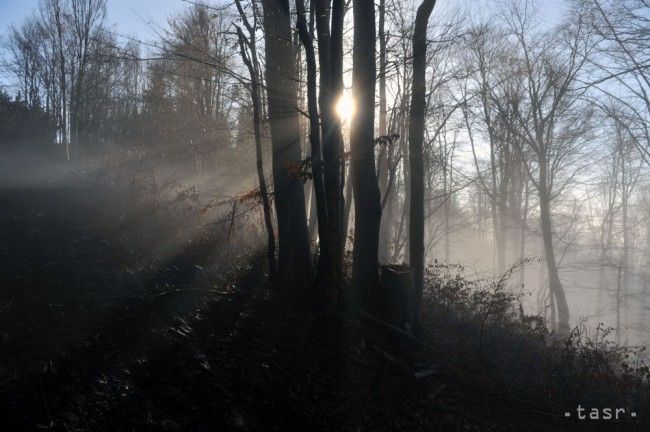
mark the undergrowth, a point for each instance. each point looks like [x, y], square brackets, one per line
[478, 328]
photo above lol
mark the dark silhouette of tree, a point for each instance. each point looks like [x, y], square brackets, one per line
[248, 50]
[294, 263]
[416, 158]
[367, 205]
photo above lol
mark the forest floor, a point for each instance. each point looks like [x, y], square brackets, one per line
[101, 331]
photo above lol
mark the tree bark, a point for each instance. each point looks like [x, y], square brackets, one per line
[294, 264]
[555, 284]
[323, 275]
[330, 50]
[523, 221]
[416, 153]
[386, 150]
[251, 61]
[367, 205]
[349, 198]
[335, 171]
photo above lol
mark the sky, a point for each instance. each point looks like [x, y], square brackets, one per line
[130, 16]
[127, 17]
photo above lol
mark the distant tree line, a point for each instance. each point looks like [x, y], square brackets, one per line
[22, 126]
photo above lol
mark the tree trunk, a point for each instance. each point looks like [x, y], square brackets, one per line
[555, 285]
[294, 264]
[446, 182]
[402, 235]
[349, 198]
[416, 157]
[330, 51]
[58, 22]
[384, 151]
[645, 280]
[522, 234]
[367, 205]
[324, 277]
[313, 217]
[253, 69]
[625, 259]
[501, 235]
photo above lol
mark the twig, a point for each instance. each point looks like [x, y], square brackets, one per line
[7, 305]
[390, 327]
[176, 291]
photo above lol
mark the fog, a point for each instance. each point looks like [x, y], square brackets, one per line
[183, 119]
[514, 135]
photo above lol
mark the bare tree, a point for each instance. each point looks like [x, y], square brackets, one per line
[248, 48]
[294, 264]
[549, 122]
[484, 48]
[386, 151]
[621, 62]
[416, 139]
[367, 205]
[85, 19]
[26, 61]
[52, 17]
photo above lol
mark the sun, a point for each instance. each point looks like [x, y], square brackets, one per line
[346, 107]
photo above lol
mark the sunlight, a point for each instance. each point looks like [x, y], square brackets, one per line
[346, 107]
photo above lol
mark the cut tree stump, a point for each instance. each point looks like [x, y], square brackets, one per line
[395, 287]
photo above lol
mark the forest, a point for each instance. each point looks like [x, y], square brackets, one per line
[340, 215]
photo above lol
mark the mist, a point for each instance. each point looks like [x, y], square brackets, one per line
[291, 215]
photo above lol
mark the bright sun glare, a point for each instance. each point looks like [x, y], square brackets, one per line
[346, 107]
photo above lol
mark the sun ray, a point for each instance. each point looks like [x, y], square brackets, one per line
[346, 107]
